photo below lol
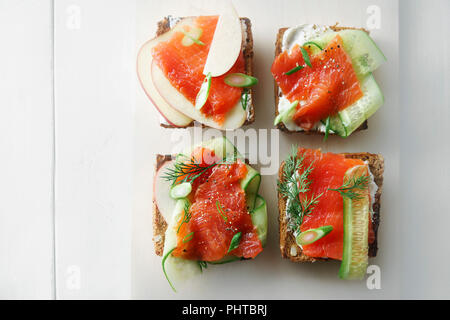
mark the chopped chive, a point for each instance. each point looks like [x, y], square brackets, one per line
[164, 268]
[188, 237]
[244, 98]
[305, 57]
[192, 38]
[220, 210]
[312, 43]
[293, 70]
[327, 128]
[235, 242]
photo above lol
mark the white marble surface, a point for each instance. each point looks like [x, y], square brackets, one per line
[88, 234]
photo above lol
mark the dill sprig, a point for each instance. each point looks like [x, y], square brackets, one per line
[292, 185]
[221, 211]
[350, 187]
[186, 217]
[191, 169]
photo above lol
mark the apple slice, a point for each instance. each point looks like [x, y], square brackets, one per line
[144, 65]
[234, 119]
[161, 188]
[226, 43]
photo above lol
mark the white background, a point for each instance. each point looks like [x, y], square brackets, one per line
[78, 138]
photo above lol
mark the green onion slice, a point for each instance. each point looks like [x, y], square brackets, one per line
[181, 190]
[235, 242]
[293, 70]
[305, 57]
[308, 43]
[192, 37]
[203, 93]
[286, 114]
[240, 80]
[312, 235]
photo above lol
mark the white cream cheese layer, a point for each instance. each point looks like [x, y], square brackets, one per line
[292, 36]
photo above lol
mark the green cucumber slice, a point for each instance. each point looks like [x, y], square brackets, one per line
[176, 269]
[259, 218]
[192, 37]
[250, 184]
[240, 80]
[312, 235]
[365, 54]
[355, 257]
[349, 119]
[203, 93]
[181, 190]
[286, 114]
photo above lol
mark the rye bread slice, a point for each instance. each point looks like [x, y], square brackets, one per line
[287, 239]
[247, 48]
[277, 91]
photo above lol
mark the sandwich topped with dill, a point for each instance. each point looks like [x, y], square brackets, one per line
[329, 208]
[207, 209]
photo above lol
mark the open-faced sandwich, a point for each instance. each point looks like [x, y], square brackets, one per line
[329, 208]
[207, 209]
[200, 68]
[323, 79]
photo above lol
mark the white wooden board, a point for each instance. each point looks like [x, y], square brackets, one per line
[94, 98]
[26, 150]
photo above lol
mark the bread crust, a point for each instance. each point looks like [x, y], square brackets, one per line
[277, 91]
[164, 26]
[287, 239]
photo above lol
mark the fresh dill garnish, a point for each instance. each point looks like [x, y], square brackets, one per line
[191, 169]
[292, 185]
[348, 188]
[244, 98]
[202, 265]
[221, 212]
[235, 242]
[186, 217]
[188, 237]
[164, 267]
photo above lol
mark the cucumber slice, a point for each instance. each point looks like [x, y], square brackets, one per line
[259, 218]
[312, 235]
[181, 190]
[366, 56]
[176, 269]
[287, 114]
[349, 119]
[355, 256]
[250, 184]
[240, 80]
[203, 93]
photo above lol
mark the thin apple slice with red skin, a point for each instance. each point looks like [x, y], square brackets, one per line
[161, 189]
[144, 66]
[234, 119]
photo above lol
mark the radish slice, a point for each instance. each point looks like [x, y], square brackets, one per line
[203, 93]
[240, 80]
[181, 190]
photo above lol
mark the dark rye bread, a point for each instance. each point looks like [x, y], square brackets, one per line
[287, 240]
[159, 223]
[247, 48]
[278, 94]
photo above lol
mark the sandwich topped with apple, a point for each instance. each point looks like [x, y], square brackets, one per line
[200, 69]
[207, 210]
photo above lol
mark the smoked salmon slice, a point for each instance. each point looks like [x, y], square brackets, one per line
[328, 173]
[217, 213]
[328, 86]
[183, 67]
